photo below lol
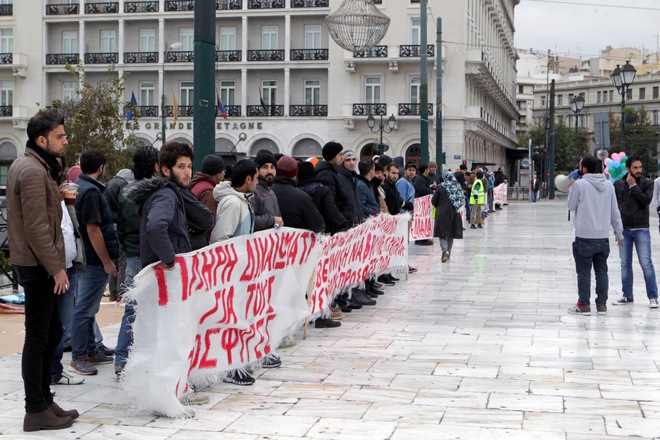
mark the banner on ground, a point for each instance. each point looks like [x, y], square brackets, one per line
[221, 307]
[421, 227]
[374, 247]
[500, 194]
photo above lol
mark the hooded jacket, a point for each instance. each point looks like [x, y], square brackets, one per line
[265, 205]
[325, 203]
[348, 185]
[198, 218]
[234, 216]
[163, 226]
[114, 187]
[298, 209]
[634, 202]
[202, 186]
[594, 202]
[367, 197]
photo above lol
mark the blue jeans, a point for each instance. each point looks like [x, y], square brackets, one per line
[65, 304]
[641, 238]
[91, 284]
[587, 253]
[534, 195]
[125, 337]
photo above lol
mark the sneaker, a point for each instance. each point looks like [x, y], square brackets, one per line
[385, 280]
[327, 323]
[579, 309]
[412, 269]
[392, 278]
[237, 377]
[653, 303]
[289, 341]
[479, 226]
[119, 370]
[67, 379]
[473, 226]
[106, 350]
[445, 256]
[601, 309]
[99, 358]
[623, 301]
[336, 314]
[83, 367]
[194, 398]
[271, 361]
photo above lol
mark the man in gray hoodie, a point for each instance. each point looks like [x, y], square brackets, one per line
[594, 202]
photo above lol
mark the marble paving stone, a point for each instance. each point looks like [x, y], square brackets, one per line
[650, 410]
[647, 393]
[470, 384]
[270, 405]
[540, 387]
[408, 431]
[314, 391]
[531, 373]
[342, 429]
[405, 413]
[76, 431]
[379, 394]
[492, 418]
[439, 398]
[409, 366]
[467, 371]
[578, 405]
[184, 434]
[132, 432]
[107, 414]
[329, 408]
[526, 402]
[632, 426]
[215, 419]
[514, 434]
[272, 425]
[569, 423]
[599, 377]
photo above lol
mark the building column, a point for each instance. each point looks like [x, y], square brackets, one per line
[244, 93]
[287, 88]
[161, 55]
[120, 46]
[244, 37]
[81, 40]
[287, 38]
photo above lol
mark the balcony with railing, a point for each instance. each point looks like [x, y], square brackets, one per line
[265, 4]
[309, 54]
[62, 9]
[374, 52]
[102, 58]
[6, 58]
[7, 9]
[413, 109]
[6, 110]
[179, 5]
[62, 58]
[232, 111]
[179, 57]
[228, 56]
[266, 55]
[226, 5]
[265, 110]
[147, 111]
[140, 57]
[308, 110]
[101, 8]
[141, 6]
[366, 109]
[183, 111]
[310, 3]
[414, 50]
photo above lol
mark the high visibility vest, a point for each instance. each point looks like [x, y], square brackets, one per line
[480, 193]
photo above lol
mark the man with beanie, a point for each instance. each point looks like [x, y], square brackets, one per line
[203, 182]
[37, 252]
[327, 173]
[370, 207]
[322, 198]
[265, 205]
[347, 178]
[298, 209]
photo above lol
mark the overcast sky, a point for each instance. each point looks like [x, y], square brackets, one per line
[586, 26]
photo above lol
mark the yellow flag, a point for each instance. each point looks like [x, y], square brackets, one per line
[175, 107]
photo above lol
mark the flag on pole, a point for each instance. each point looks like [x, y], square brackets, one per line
[175, 107]
[219, 106]
[263, 104]
[129, 113]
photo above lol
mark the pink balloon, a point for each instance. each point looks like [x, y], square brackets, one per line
[607, 159]
[616, 157]
[606, 171]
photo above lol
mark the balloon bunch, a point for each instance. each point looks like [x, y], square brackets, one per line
[616, 166]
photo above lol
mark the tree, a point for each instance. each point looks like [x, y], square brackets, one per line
[641, 137]
[95, 119]
[565, 155]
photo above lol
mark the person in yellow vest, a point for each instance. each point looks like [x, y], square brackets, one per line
[477, 201]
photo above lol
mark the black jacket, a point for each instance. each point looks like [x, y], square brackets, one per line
[422, 185]
[199, 218]
[634, 202]
[325, 203]
[297, 208]
[348, 184]
[393, 198]
[342, 191]
[448, 222]
[163, 226]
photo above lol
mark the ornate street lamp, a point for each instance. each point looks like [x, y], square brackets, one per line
[577, 104]
[622, 78]
[371, 123]
[357, 25]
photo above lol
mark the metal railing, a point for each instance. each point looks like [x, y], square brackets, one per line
[228, 56]
[413, 109]
[62, 9]
[232, 110]
[62, 58]
[141, 6]
[183, 110]
[308, 110]
[6, 58]
[102, 58]
[140, 57]
[150, 111]
[265, 4]
[310, 3]
[366, 109]
[179, 57]
[309, 54]
[101, 8]
[266, 55]
[179, 5]
[7, 9]
[414, 50]
[224, 5]
[6, 110]
[374, 52]
[267, 110]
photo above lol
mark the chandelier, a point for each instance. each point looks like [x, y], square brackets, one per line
[357, 25]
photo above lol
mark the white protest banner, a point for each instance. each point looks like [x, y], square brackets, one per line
[221, 307]
[500, 195]
[348, 258]
[421, 227]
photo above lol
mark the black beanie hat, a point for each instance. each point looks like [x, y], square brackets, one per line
[212, 164]
[384, 160]
[331, 150]
[264, 158]
[306, 170]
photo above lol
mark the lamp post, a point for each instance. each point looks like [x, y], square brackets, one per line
[622, 78]
[577, 104]
[391, 123]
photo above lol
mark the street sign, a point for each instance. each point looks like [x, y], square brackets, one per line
[457, 157]
[602, 130]
[525, 163]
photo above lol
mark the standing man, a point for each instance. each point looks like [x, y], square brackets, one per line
[264, 203]
[434, 177]
[37, 252]
[101, 249]
[477, 201]
[634, 194]
[404, 184]
[594, 202]
[536, 185]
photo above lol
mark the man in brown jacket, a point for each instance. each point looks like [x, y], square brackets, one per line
[37, 252]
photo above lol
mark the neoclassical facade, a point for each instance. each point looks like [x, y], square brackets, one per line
[285, 85]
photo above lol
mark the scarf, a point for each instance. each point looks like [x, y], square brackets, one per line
[52, 164]
[454, 190]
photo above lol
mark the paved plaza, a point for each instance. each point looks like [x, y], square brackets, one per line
[477, 348]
